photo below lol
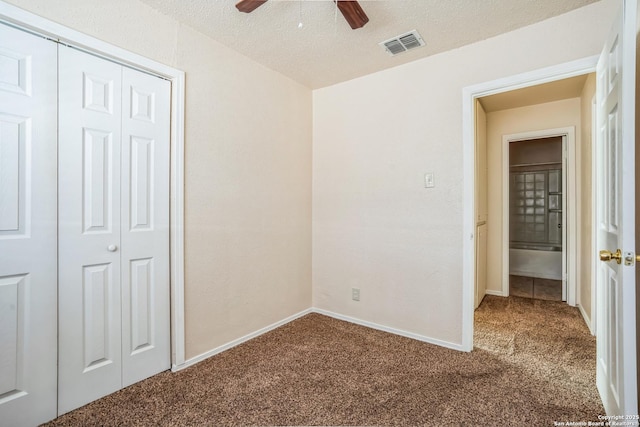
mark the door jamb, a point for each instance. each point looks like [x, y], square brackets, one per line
[594, 206]
[469, 95]
[569, 202]
[62, 34]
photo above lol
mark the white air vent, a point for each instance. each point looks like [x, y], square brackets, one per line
[402, 43]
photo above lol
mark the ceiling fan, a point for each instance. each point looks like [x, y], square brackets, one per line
[351, 10]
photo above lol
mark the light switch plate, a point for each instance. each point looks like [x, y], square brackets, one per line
[428, 180]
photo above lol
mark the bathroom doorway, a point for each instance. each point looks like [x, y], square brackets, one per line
[537, 261]
[539, 236]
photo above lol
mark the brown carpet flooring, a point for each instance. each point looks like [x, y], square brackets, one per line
[534, 363]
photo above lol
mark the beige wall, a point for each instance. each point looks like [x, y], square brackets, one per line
[248, 170]
[375, 226]
[583, 151]
[551, 115]
[248, 198]
[481, 189]
[480, 202]
[129, 24]
[571, 112]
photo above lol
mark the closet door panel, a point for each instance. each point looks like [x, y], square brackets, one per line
[145, 225]
[89, 228]
[28, 338]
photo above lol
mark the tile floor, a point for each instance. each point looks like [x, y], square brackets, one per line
[533, 287]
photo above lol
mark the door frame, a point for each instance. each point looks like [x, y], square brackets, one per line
[594, 223]
[37, 25]
[569, 201]
[469, 95]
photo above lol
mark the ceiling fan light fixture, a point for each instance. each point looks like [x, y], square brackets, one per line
[402, 43]
[248, 6]
[353, 13]
[350, 9]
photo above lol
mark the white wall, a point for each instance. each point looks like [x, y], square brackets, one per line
[248, 170]
[375, 226]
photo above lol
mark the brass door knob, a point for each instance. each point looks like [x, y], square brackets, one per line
[606, 255]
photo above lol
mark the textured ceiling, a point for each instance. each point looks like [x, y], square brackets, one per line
[326, 50]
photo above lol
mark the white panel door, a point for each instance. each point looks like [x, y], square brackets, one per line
[114, 227]
[615, 216]
[145, 226]
[89, 228]
[28, 336]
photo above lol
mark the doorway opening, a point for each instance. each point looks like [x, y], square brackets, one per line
[544, 88]
[616, 71]
[538, 163]
[537, 221]
[536, 178]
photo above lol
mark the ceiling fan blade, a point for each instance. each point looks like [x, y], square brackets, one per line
[248, 6]
[353, 13]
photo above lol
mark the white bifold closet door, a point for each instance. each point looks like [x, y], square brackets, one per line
[28, 103]
[113, 186]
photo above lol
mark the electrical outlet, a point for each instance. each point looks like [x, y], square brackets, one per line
[355, 294]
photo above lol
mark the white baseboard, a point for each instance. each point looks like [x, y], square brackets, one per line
[192, 361]
[390, 330]
[586, 318]
[495, 293]
[239, 341]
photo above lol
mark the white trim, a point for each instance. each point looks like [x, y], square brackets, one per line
[390, 330]
[60, 33]
[177, 221]
[199, 358]
[469, 95]
[531, 78]
[594, 212]
[505, 214]
[495, 293]
[238, 341]
[571, 219]
[579, 240]
[569, 200]
[68, 36]
[588, 321]
[468, 217]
